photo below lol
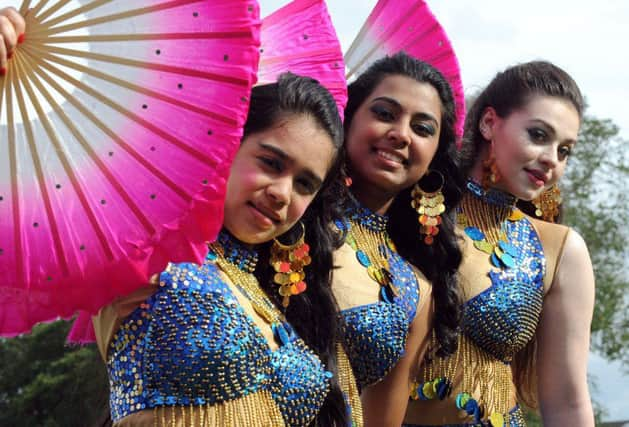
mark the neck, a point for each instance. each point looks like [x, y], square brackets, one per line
[373, 199]
[242, 255]
[365, 217]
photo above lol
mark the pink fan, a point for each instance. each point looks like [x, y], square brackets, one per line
[300, 38]
[118, 123]
[407, 25]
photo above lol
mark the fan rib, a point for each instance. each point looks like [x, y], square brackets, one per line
[52, 9]
[148, 65]
[144, 123]
[37, 8]
[109, 78]
[47, 26]
[26, 5]
[112, 179]
[50, 214]
[208, 35]
[86, 112]
[15, 196]
[61, 152]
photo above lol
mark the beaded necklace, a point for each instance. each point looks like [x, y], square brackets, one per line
[483, 215]
[368, 237]
[239, 263]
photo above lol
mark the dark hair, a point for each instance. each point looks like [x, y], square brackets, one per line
[439, 262]
[510, 90]
[313, 313]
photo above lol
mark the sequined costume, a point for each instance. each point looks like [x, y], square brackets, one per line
[374, 328]
[503, 285]
[191, 351]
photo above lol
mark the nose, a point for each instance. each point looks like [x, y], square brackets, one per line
[400, 133]
[279, 191]
[550, 156]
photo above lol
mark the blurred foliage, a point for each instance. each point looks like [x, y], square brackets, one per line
[596, 204]
[44, 382]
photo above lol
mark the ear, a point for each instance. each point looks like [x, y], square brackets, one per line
[487, 123]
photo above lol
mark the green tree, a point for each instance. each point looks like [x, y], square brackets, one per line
[44, 382]
[596, 204]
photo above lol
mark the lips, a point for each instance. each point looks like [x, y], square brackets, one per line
[538, 177]
[266, 212]
[391, 156]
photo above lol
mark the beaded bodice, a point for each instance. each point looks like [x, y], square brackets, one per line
[498, 321]
[192, 343]
[502, 319]
[375, 334]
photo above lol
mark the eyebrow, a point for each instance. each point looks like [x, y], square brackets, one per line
[317, 181]
[552, 130]
[394, 102]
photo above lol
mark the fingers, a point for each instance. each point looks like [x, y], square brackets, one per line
[12, 27]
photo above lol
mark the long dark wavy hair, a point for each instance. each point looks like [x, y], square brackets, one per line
[439, 262]
[313, 314]
[509, 91]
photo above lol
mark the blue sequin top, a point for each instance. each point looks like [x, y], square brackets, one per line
[497, 323]
[192, 343]
[375, 334]
[503, 318]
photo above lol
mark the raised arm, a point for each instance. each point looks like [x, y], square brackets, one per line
[564, 340]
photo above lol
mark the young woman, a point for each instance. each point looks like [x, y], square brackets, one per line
[399, 137]
[528, 284]
[213, 343]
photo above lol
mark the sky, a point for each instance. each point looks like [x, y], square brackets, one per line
[583, 37]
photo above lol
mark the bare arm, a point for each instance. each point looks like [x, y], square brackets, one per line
[384, 403]
[564, 339]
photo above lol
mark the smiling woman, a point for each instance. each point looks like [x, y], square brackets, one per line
[527, 284]
[291, 160]
[399, 134]
[222, 341]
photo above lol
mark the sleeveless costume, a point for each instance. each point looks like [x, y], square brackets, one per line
[500, 316]
[191, 352]
[374, 334]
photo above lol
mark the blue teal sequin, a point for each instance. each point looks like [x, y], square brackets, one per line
[191, 343]
[492, 195]
[374, 335]
[516, 419]
[363, 258]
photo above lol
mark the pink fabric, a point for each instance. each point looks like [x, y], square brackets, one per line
[396, 25]
[300, 38]
[105, 193]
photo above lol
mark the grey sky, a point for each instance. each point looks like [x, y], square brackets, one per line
[585, 38]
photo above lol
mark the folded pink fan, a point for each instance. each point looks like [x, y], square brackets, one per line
[300, 38]
[118, 123]
[407, 25]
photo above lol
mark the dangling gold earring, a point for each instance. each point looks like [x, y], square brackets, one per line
[547, 204]
[289, 261]
[429, 204]
[491, 174]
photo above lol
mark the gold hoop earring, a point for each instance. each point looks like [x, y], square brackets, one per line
[429, 204]
[289, 261]
[547, 204]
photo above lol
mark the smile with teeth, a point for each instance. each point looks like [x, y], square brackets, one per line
[391, 156]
